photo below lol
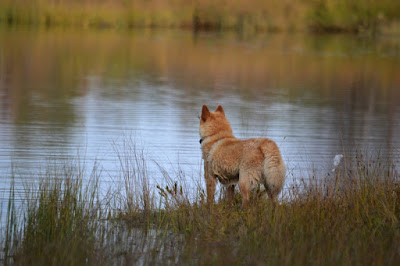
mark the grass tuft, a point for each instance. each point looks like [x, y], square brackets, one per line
[350, 216]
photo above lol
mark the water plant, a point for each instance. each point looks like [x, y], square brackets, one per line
[350, 216]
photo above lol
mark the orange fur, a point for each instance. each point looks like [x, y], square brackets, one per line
[231, 160]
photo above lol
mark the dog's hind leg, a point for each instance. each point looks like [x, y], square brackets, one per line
[245, 188]
[230, 192]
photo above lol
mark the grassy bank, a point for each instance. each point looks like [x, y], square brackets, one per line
[247, 16]
[351, 217]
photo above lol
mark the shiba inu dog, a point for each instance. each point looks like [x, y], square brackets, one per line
[231, 160]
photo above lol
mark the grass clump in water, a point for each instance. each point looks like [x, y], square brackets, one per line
[59, 220]
[349, 217]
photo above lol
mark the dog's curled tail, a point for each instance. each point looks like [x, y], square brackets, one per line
[274, 170]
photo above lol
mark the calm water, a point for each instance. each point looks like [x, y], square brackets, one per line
[64, 93]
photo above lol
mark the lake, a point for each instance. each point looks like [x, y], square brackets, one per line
[66, 94]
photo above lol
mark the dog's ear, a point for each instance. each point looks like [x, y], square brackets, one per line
[205, 113]
[219, 109]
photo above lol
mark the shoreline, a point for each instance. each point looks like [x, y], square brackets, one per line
[330, 221]
[331, 16]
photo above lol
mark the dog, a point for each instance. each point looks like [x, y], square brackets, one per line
[230, 160]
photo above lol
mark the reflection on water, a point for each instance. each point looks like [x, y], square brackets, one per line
[63, 93]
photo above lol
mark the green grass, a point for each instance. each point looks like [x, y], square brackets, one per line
[351, 217]
[248, 16]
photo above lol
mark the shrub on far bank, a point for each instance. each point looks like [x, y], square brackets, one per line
[242, 16]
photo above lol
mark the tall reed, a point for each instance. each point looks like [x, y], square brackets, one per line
[350, 216]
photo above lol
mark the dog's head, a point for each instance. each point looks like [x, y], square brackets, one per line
[212, 123]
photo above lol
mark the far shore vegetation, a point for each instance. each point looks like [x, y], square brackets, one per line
[71, 217]
[355, 16]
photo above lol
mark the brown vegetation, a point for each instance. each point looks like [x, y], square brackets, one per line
[245, 16]
[351, 217]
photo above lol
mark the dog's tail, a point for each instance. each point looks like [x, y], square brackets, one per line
[274, 170]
